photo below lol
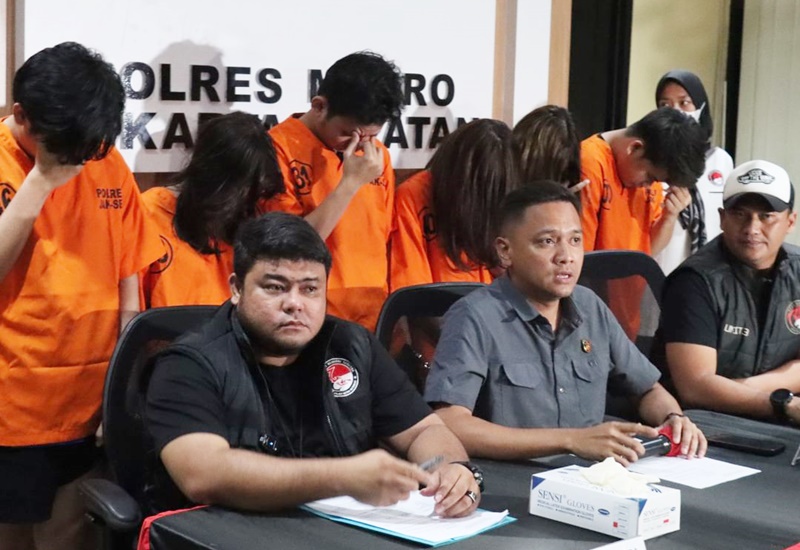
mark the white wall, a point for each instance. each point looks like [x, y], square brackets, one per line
[678, 34]
[455, 38]
[4, 52]
[532, 63]
[769, 113]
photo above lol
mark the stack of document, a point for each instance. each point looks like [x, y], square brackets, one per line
[411, 519]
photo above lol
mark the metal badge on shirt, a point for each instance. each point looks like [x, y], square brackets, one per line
[342, 375]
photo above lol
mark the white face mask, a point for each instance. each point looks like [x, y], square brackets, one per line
[695, 114]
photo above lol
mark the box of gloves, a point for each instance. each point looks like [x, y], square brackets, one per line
[606, 498]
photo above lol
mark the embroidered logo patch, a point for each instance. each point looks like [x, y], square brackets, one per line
[792, 317]
[343, 377]
[716, 179]
[756, 175]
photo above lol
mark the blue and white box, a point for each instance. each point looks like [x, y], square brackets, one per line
[566, 495]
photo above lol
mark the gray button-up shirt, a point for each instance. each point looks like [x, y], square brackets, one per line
[499, 357]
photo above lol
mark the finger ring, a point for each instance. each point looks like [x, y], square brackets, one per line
[472, 496]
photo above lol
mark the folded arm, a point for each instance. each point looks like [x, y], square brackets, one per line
[694, 371]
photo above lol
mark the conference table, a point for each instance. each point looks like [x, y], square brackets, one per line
[761, 511]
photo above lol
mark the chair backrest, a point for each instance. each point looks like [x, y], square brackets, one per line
[630, 283]
[416, 304]
[123, 396]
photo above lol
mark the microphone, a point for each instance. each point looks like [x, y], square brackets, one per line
[661, 445]
[657, 446]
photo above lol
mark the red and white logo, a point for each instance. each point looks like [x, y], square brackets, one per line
[792, 317]
[343, 377]
[716, 179]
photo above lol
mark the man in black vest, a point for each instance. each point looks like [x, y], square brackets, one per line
[272, 404]
[731, 317]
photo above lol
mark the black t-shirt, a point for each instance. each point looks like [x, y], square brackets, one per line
[689, 314]
[182, 399]
[293, 400]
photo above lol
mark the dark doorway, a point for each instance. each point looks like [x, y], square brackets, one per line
[599, 60]
[733, 75]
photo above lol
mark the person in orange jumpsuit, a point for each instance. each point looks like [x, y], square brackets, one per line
[232, 168]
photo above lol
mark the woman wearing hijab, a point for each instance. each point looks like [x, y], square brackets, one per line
[699, 222]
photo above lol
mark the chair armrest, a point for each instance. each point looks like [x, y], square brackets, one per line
[111, 504]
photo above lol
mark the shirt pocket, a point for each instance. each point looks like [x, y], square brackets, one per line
[523, 375]
[521, 386]
[590, 383]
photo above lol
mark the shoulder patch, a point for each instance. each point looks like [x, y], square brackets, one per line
[343, 377]
[716, 179]
[792, 317]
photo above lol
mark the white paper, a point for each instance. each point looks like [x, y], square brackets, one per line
[700, 473]
[413, 517]
[636, 543]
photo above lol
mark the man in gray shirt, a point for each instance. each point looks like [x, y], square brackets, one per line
[522, 366]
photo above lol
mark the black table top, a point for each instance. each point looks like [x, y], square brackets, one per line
[755, 512]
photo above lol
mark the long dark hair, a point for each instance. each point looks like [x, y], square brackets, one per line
[472, 171]
[233, 166]
[547, 146]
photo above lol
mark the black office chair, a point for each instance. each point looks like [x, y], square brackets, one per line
[417, 305]
[116, 505]
[631, 284]
[627, 280]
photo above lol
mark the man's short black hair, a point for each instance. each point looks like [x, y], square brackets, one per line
[73, 100]
[518, 201]
[277, 236]
[673, 142]
[365, 87]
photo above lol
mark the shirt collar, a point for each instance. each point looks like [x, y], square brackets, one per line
[523, 308]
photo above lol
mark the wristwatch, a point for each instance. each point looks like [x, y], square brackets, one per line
[780, 399]
[477, 473]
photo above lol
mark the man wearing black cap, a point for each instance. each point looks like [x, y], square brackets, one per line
[731, 318]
